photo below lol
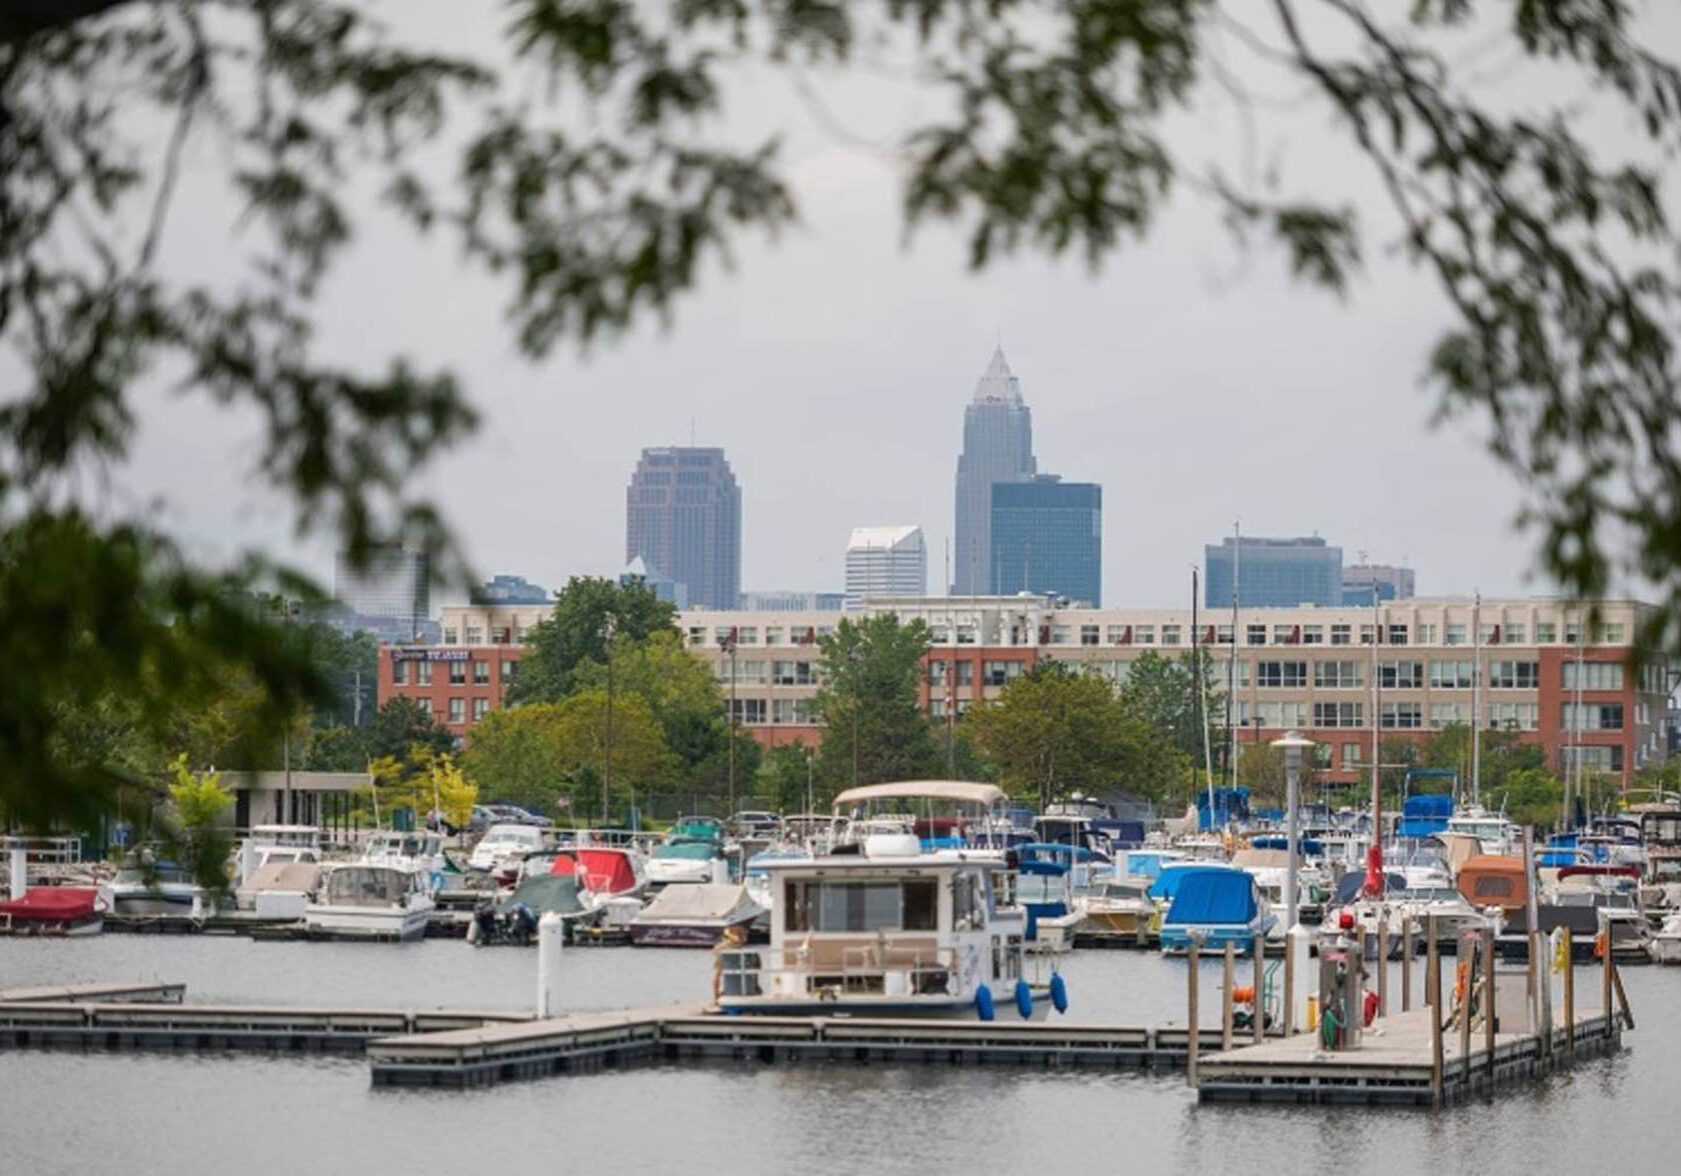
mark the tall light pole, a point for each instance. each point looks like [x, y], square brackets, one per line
[607, 626]
[1293, 746]
[727, 643]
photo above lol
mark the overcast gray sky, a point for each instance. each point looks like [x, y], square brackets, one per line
[1195, 383]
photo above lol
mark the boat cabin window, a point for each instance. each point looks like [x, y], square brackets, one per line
[861, 906]
[968, 902]
[1492, 886]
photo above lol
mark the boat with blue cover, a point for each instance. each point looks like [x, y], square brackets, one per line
[1216, 905]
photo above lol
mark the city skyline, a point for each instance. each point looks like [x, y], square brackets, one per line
[683, 518]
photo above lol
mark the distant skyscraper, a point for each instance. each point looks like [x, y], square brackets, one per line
[1047, 537]
[997, 447]
[1392, 583]
[885, 561]
[394, 587]
[510, 590]
[642, 572]
[683, 516]
[1272, 573]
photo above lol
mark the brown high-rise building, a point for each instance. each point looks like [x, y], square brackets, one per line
[683, 517]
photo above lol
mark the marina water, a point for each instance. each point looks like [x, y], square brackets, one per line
[255, 1114]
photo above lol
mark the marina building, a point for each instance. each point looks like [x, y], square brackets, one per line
[885, 561]
[1534, 667]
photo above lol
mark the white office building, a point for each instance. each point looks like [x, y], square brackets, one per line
[885, 561]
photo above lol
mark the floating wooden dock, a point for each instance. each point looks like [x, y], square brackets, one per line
[442, 924]
[107, 991]
[130, 1025]
[1396, 1062]
[589, 1041]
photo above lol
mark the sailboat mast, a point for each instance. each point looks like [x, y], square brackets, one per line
[1231, 654]
[1477, 698]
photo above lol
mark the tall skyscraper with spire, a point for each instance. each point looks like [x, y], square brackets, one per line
[997, 447]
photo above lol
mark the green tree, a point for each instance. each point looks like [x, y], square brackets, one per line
[1162, 692]
[782, 778]
[681, 692]
[1051, 732]
[532, 754]
[1529, 796]
[334, 749]
[566, 648]
[403, 723]
[195, 839]
[1049, 126]
[870, 703]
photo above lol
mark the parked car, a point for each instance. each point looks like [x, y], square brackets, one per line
[756, 824]
[513, 814]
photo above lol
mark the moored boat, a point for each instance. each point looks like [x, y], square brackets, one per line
[54, 910]
[369, 902]
[699, 914]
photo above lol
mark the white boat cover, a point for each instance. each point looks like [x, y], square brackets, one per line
[699, 903]
[964, 791]
[286, 876]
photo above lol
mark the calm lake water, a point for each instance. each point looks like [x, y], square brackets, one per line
[251, 1115]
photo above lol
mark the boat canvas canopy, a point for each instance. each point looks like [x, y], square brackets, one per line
[51, 904]
[1490, 880]
[961, 791]
[604, 871]
[701, 902]
[1214, 896]
[543, 893]
[1169, 881]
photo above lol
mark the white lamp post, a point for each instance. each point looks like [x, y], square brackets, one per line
[1293, 745]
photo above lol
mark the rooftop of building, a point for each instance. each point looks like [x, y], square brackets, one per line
[867, 538]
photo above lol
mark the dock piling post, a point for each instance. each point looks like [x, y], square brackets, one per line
[1406, 963]
[1433, 967]
[1435, 1056]
[20, 872]
[1192, 960]
[1467, 956]
[1605, 994]
[1490, 1009]
[1532, 980]
[1226, 1002]
[1383, 965]
[1260, 958]
[1569, 998]
[550, 936]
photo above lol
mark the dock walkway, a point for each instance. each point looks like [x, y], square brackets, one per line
[1395, 1063]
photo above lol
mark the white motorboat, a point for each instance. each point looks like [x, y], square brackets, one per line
[503, 846]
[370, 902]
[421, 851]
[1117, 910]
[1664, 946]
[1496, 835]
[696, 915]
[144, 886]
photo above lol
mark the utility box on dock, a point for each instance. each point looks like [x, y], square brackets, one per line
[1341, 980]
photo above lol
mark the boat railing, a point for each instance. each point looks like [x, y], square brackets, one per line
[45, 851]
[857, 969]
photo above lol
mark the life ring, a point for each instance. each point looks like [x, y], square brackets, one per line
[1461, 974]
[1599, 945]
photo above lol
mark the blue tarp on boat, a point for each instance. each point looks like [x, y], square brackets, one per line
[1424, 816]
[1214, 897]
[1231, 806]
[1169, 881]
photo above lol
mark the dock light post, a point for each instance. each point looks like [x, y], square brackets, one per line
[1293, 746]
[607, 626]
[726, 643]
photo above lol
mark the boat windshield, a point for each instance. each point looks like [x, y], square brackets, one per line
[1041, 887]
[691, 851]
[1436, 894]
[353, 886]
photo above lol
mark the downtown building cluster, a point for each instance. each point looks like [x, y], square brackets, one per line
[1299, 640]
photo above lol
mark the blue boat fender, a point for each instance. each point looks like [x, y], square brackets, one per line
[984, 1008]
[1059, 992]
[1024, 1000]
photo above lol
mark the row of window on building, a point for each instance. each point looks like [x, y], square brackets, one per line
[1427, 633]
[421, 673]
[1417, 716]
[1601, 757]
[455, 710]
[475, 635]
